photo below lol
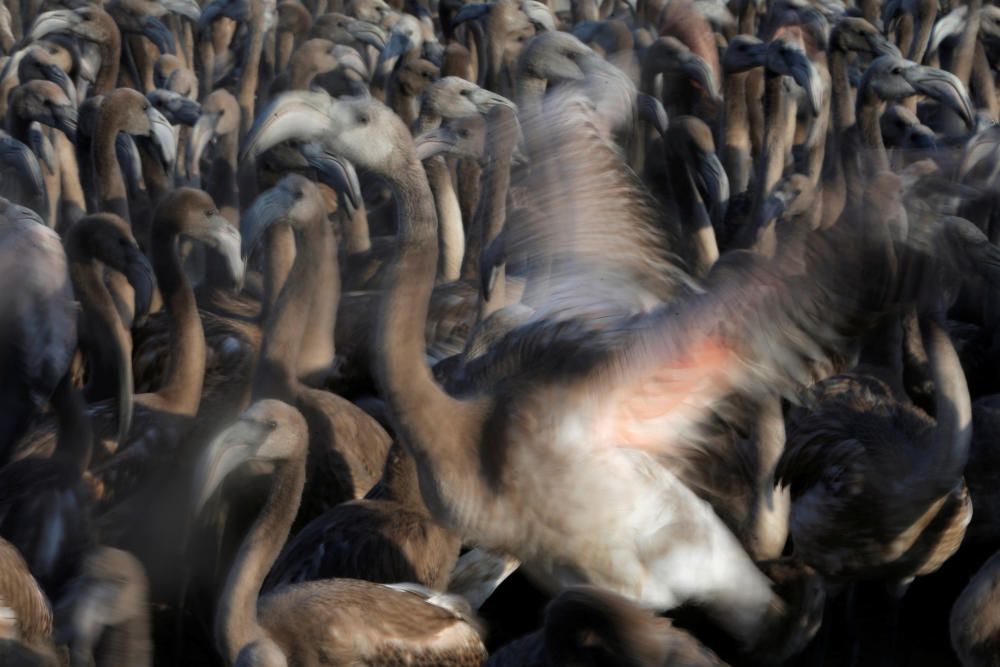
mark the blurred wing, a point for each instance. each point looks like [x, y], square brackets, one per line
[592, 238]
[762, 326]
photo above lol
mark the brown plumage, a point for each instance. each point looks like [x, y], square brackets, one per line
[876, 485]
[975, 631]
[386, 537]
[19, 592]
[371, 624]
[45, 503]
[589, 626]
[347, 446]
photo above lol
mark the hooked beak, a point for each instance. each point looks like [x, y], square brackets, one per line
[201, 136]
[157, 32]
[923, 137]
[58, 20]
[397, 45]
[217, 8]
[296, 115]
[943, 86]
[56, 75]
[189, 9]
[335, 172]
[41, 145]
[353, 62]
[177, 109]
[162, 134]
[139, 274]
[128, 157]
[714, 184]
[269, 208]
[435, 142]
[228, 450]
[367, 33]
[651, 110]
[881, 46]
[805, 75]
[774, 206]
[18, 158]
[984, 148]
[66, 121]
[188, 112]
[539, 15]
[486, 100]
[433, 52]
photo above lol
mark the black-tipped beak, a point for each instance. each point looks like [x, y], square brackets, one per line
[368, 33]
[139, 274]
[435, 142]
[881, 46]
[714, 185]
[805, 75]
[56, 75]
[335, 172]
[66, 121]
[651, 110]
[943, 86]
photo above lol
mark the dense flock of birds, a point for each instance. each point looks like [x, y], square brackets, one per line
[643, 333]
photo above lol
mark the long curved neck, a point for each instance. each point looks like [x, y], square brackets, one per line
[236, 623]
[735, 152]
[357, 236]
[182, 385]
[841, 105]
[403, 103]
[817, 134]
[869, 109]
[300, 73]
[317, 352]
[111, 51]
[952, 405]
[780, 118]
[451, 231]
[154, 176]
[248, 83]
[75, 439]
[965, 53]
[983, 85]
[925, 21]
[770, 516]
[491, 210]
[222, 182]
[222, 187]
[128, 644]
[112, 197]
[18, 124]
[103, 336]
[277, 369]
[416, 402]
[280, 254]
[399, 480]
[694, 214]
